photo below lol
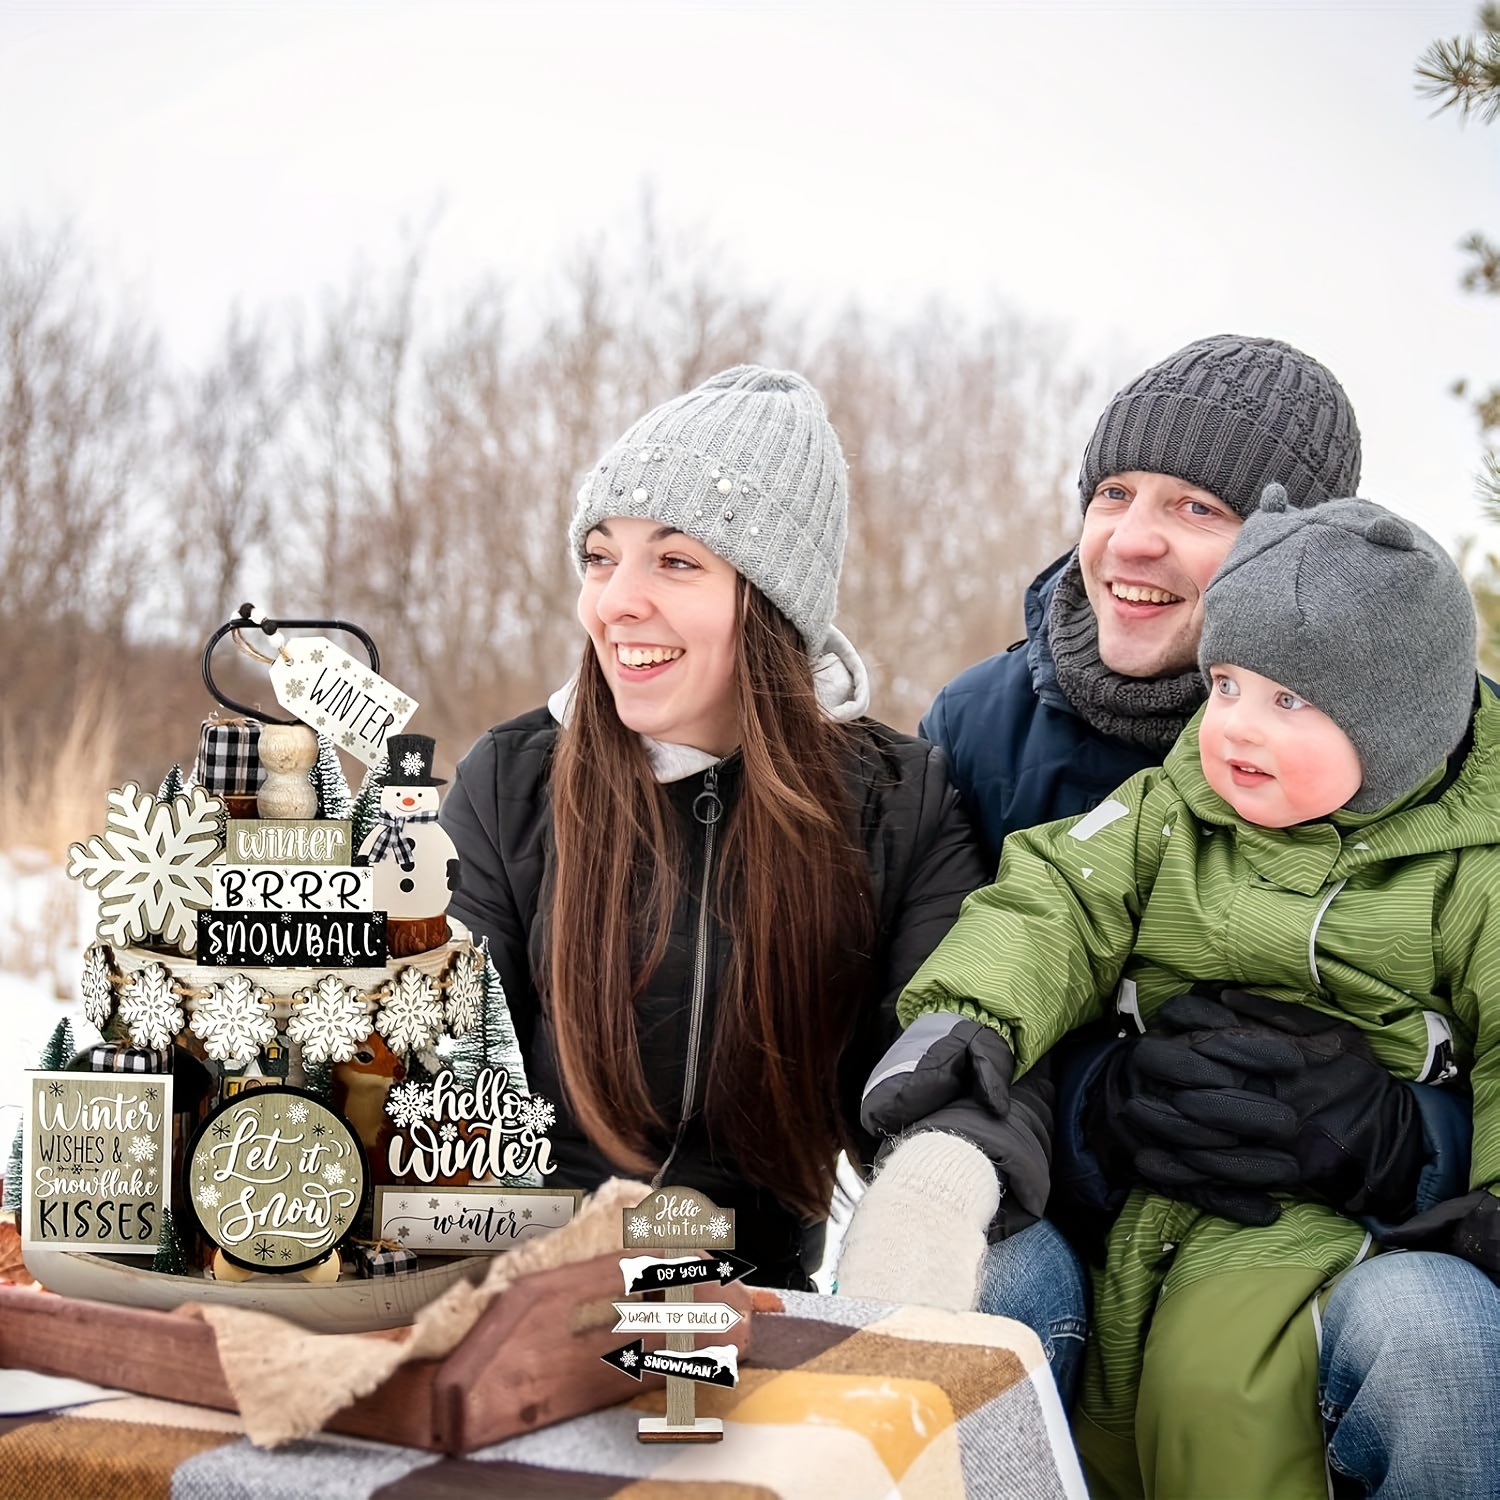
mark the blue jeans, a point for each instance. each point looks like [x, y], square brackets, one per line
[1035, 1278]
[1409, 1375]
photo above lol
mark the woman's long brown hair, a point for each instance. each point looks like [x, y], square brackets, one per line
[793, 894]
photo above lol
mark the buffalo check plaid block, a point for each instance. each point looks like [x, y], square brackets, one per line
[111, 1057]
[229, 757]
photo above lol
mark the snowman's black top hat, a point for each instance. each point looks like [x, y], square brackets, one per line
[410, 760]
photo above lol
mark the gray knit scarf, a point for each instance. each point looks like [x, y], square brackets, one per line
[1147, 711]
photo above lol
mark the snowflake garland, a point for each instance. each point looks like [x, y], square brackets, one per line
[409, 1103]
[463, 993]
[234, 1020]
[150, 1008]
[152, 866]
[412, 1017]
[330, 1021]
[97, 986]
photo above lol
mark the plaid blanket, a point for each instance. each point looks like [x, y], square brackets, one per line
[844, 1398]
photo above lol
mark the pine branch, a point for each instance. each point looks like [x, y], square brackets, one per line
[12, 1198]
[1463, 73]
[1483, 275]
[1489, 487]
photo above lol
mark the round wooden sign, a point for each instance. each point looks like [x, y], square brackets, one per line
[276, 1179]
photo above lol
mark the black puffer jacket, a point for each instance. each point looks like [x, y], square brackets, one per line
[923, 862]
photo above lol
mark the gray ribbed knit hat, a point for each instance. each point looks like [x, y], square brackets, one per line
[749, 464]
[1231, 415]
[1362, 614]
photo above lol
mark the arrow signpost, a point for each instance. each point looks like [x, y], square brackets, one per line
[677, 1219]
[716, 1364]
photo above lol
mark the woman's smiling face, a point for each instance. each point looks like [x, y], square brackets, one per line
[660, 609]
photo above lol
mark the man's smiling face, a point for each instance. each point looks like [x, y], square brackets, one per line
[1150, 545]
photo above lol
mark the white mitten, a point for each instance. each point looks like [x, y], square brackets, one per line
[919, 1234]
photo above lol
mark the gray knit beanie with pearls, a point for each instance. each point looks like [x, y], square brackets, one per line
[749, 465]
[1363, 615]
[1231, 415]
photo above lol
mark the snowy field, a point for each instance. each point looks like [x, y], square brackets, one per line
[46, 921]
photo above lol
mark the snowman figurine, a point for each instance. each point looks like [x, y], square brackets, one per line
[415, 863]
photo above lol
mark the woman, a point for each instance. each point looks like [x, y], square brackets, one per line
[703, 874]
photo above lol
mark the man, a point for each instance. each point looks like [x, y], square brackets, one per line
[1106, 680]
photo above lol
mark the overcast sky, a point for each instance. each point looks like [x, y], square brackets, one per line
[1140, 173]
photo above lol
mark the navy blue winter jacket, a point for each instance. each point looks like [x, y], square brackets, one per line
[1018, 752]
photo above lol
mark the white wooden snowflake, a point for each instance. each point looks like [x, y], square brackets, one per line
[96, 986]
[150, 1008]
[151, 866]
[412, 1018]
[537, 1114]
[330, 1021]
[408, 1103]
[234, 1020]
[463, 993]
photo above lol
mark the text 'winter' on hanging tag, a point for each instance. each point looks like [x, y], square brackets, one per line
[347, 700]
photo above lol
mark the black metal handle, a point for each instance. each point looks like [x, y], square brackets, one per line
[244, 621]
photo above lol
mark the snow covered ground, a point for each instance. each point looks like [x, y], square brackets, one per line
[46, 921]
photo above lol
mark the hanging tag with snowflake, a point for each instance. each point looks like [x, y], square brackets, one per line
[96, 1172]
[345, 699]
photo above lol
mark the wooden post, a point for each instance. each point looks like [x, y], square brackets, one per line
[682, 1395]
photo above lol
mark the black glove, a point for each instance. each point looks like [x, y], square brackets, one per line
[1231, 1096]
[1468, 1226]
[939, 1059]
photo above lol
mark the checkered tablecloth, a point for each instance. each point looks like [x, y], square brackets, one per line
[843, 1399]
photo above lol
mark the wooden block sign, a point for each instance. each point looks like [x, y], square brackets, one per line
[678, 1219]
[97, 1159]
[276, 1179]
[486, 1129]
[292, 940]
[338, 696]
[287, 841]
[294, 888]
[470, 1220]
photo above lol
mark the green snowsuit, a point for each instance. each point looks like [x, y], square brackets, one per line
[1202, 1372]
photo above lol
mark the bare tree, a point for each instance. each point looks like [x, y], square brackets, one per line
[224, 442]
